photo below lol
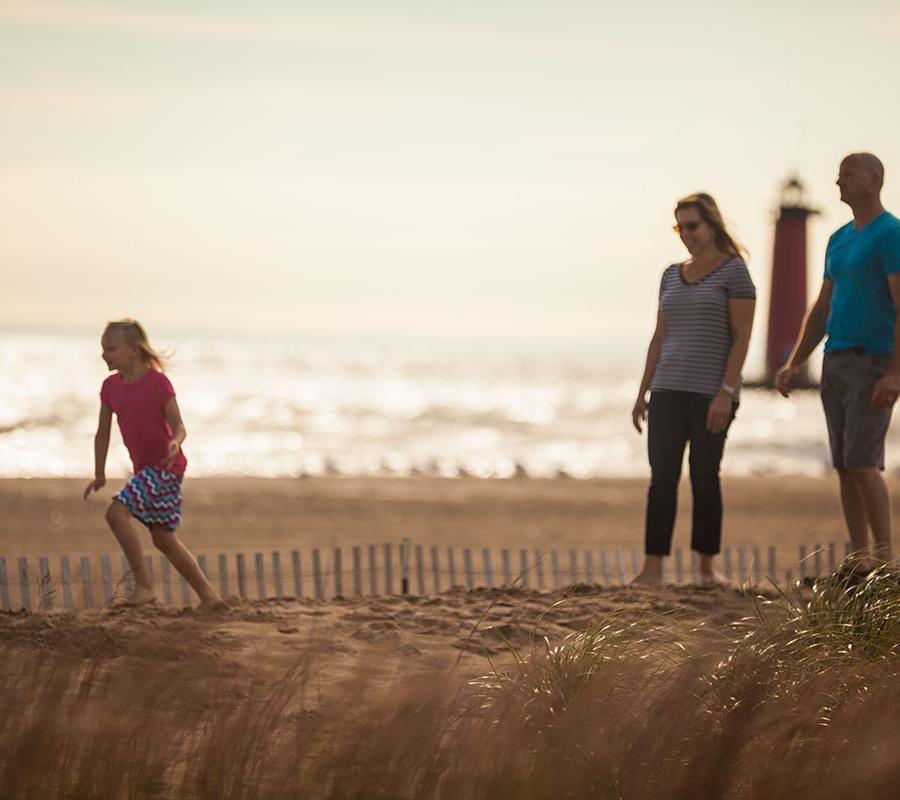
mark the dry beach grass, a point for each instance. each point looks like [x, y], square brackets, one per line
[589, 692]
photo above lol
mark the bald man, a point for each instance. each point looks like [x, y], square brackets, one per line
[857, 308]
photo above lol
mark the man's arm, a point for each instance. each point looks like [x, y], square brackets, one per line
[811, 333]
[887, 388]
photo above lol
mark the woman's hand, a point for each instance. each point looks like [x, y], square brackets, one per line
[639, 412]
[719, 412]
[94, 486]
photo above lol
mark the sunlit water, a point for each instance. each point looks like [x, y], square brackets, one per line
[255, 408]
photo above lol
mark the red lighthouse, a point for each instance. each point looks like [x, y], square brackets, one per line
[787, 302]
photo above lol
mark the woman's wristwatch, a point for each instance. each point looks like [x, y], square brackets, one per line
[727, 387]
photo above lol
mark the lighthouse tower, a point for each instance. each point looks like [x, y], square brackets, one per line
[787, 302]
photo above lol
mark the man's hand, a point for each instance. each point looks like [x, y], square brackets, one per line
[94, 486]
[719, 412]
[784, 377]
[886, 390]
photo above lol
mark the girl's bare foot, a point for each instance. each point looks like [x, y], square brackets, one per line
[212, 605]
[138, 597]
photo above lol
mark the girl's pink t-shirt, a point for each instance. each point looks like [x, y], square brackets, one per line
[140, 409]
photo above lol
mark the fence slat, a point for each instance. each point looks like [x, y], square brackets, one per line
[241, 565]
[554, 565]
[223, 574]
[451, 565]
[802, 557]
[523, 568]
[167, 582]
[679, 567]
[24, 588]
[695, 567]
[47, 590]
[635, 568]
[757, 563]
[4, 586]
[127, 576]
[507, 566]
[620, 566]
[573, 565]
[357, 570]
[317, 574]
[435, 569]
[338, 572]
[87, 591]
[728, 570]
[420, 570]
[773, 563]
[832, 557]
[467, 561]
[298, 575]
[373, 571]
[404, 566]
[604, 568]
[488, 572]
[389, 569]
[185, 592]
[742, 564]
[588, 567]
[66, 575]
[539, 567]
[106, 570]
[817, 560]
[260, 576]
[276, 573]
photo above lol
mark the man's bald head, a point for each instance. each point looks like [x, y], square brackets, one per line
[867, 162]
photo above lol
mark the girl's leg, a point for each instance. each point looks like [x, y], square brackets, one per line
[168, 543]
[119, 518]
[667, 431]
[705, 460]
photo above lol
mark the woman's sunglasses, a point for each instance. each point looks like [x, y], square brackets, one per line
[688, 227]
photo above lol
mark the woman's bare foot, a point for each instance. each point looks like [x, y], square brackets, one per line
[713, 578]
[651, 574]
[644, 578]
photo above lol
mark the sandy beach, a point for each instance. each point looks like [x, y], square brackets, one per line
[48, 516]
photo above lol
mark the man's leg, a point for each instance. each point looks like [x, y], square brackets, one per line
[856, 517]
[876, 509]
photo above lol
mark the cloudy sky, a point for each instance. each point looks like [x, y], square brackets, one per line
[462, 171]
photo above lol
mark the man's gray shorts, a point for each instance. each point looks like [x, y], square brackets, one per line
[856, 431]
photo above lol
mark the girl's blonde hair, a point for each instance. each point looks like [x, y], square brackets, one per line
[136, 336]
[710, 214]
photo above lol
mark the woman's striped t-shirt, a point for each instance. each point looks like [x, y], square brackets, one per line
[698, 327]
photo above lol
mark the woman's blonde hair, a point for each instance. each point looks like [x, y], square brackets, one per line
[710, 214]
[136, 336]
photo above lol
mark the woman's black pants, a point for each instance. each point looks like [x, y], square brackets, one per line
[673, 420]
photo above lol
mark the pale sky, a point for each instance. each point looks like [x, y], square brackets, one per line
[462, 171]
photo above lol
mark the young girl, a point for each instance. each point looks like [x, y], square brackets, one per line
[143, 399]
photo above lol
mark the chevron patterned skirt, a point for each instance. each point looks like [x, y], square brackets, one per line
[153, 496]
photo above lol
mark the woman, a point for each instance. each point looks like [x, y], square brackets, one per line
[693, 374]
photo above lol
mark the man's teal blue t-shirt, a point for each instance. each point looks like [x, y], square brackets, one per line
[858, 261]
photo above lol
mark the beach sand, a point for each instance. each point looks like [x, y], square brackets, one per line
[48, 517]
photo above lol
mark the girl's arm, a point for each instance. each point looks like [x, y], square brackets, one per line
[173, 417]
[101, 448]
[741, 311]
[639, 412]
